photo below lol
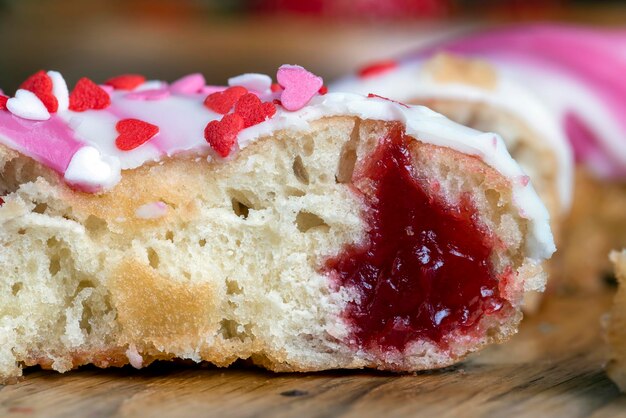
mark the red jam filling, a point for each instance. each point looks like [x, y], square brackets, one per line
[425, 270]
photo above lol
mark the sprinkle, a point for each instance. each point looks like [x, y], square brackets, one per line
[152, 94]
[133, 133]
[3, 102]
[40, 84]
[222, 101]
[1, 201]
[276, 88]
[189, 84]
[323, 90]
[134, 358]
[377, 68]
[126, 81]
[524, 180]
[299, 86]
[222, 135]
[90, 171]
[376, 96]
[252, 110]
[59, 89]
[252, 81]
[88, 95]
[152, 85]
[27, 106]
[107, 88]
[211, 89]
[153, 210]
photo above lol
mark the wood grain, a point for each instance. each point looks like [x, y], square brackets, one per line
[553, 367]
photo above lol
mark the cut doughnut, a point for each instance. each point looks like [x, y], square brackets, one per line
[355, 232]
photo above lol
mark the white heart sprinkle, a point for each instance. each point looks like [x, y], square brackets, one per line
[27, 106]
[59, 89]
[252, 81]
[151, 85]
[89, 171]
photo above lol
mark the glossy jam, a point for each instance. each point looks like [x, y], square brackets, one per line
[425, 270]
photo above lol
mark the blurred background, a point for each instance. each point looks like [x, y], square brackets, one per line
[168, 38]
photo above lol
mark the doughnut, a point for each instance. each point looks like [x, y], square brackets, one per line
[556, 95]
[268, 221]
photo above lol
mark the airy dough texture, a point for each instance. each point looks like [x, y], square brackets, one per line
[232, 268]
[616, 333]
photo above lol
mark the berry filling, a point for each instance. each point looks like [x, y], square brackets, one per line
[425, 270]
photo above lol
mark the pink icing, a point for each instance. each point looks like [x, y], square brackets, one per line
[192, 83]
[50, 142]
[206, 90]
[587, 148]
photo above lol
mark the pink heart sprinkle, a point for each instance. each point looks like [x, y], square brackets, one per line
[299, 86]
[189, 84]
[211, 89]
[107, 88]
[152, 94]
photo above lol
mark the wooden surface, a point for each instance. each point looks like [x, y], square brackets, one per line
[553, 367]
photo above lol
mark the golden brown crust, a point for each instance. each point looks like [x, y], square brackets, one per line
[449, 68]
[158, 311]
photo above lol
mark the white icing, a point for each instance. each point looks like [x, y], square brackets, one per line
[252, 81]
[91, 171]
[27, 105]
[411, 81]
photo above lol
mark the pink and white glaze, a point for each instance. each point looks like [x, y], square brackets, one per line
[81, 145]
[579, 73]
[573, 75]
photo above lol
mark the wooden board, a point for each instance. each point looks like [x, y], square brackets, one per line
[553, 367]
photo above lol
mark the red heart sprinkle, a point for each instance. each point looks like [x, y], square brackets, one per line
[1, 201]
[323, 90]
[222, 135]
[40, 84]
[3, 102]
[252, 110]
[126, 81]
[377, 68]
[88, 95]
[133, 133]
[222, 101]
[275, 87]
